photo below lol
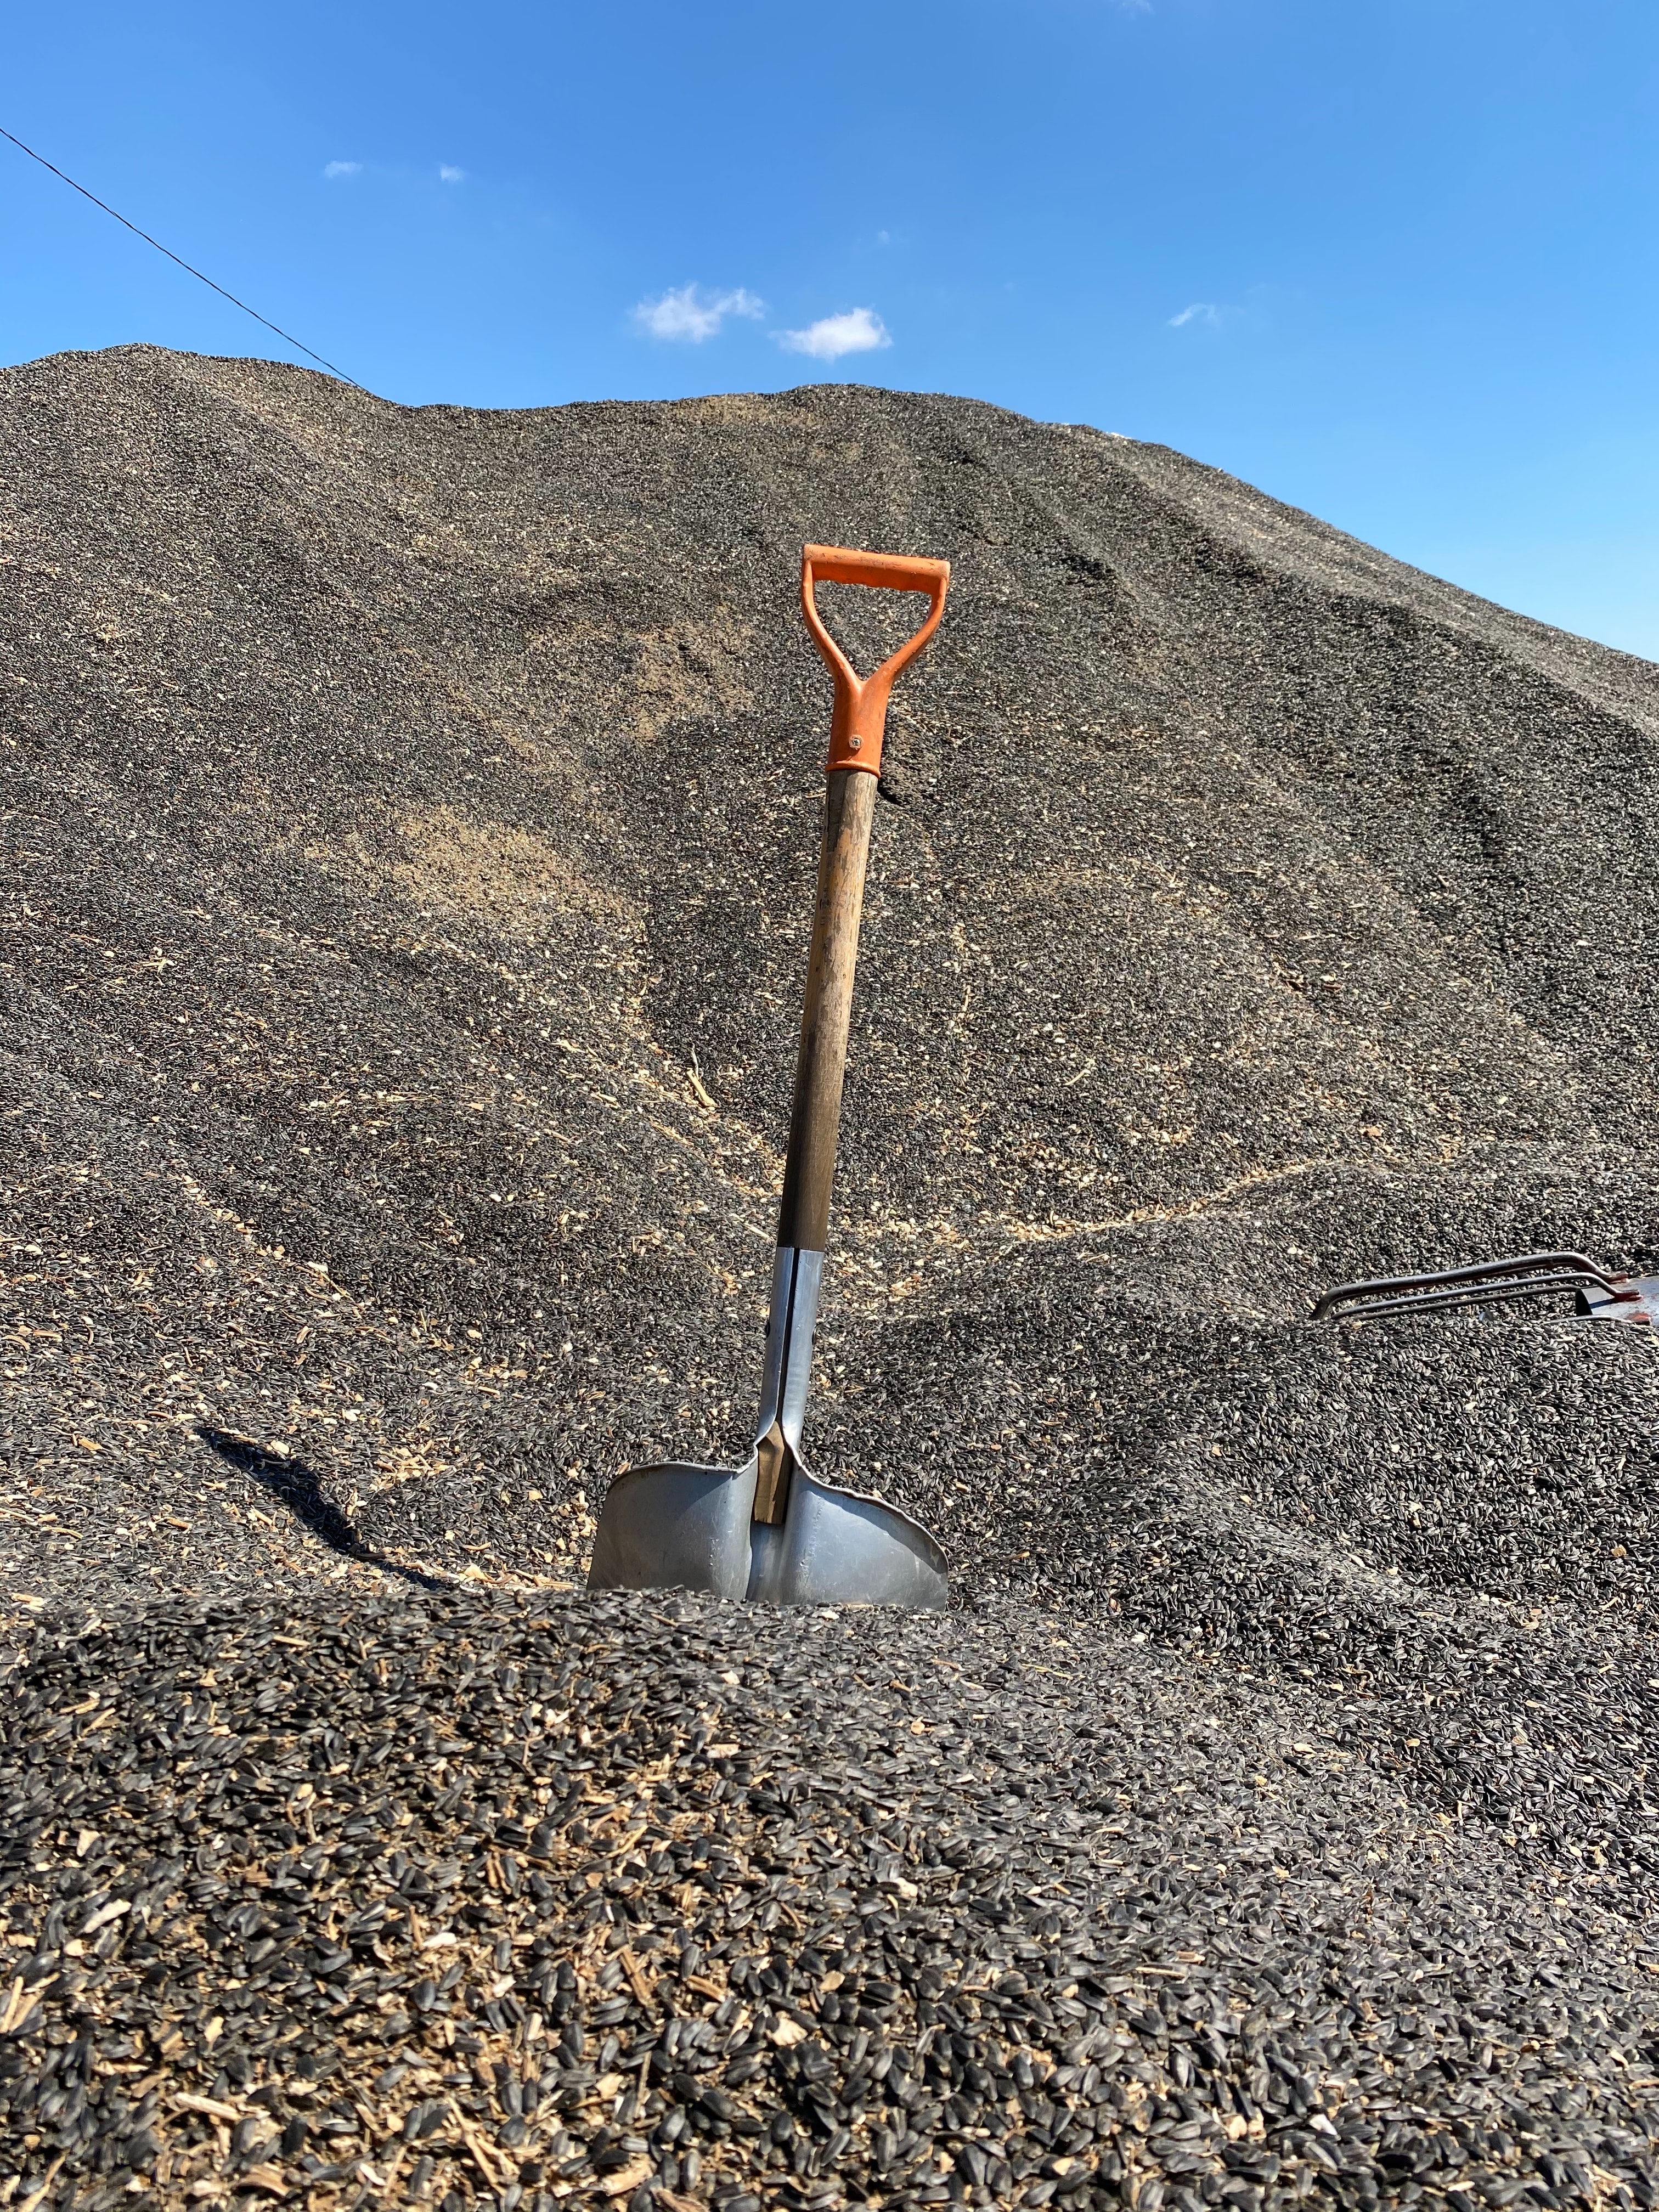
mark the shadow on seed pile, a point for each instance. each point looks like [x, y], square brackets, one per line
[297, 1486]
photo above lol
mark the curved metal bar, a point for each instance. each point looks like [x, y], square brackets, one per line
[1568, 1269]
[1536, 1286]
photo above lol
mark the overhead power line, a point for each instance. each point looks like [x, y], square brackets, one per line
[287, 337]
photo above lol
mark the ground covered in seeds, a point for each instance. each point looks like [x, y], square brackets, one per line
[637, 1900]
[410, 824]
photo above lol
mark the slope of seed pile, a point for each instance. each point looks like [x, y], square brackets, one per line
[409, 827]
[618, 1901]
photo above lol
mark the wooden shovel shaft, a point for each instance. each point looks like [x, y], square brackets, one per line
[821, 1065]
[854, 763]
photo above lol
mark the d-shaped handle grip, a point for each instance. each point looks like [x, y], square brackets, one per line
[860, 716]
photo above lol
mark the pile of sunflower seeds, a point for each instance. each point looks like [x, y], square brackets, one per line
[670, 1903]
[412, 819]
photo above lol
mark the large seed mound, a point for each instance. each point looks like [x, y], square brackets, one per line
[410, 821]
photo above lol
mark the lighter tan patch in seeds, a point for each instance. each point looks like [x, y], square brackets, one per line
[507, 876]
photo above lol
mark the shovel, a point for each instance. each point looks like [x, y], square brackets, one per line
[770, 1530]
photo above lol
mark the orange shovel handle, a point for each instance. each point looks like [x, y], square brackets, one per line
[860, 716]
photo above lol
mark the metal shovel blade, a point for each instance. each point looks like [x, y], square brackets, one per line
[680, 1526]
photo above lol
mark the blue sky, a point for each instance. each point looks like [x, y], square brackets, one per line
[1394, 263]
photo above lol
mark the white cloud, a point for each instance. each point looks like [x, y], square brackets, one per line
[860, 330]
[1201, 311]
[691, 314]
[342, 168]
[449, 176]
